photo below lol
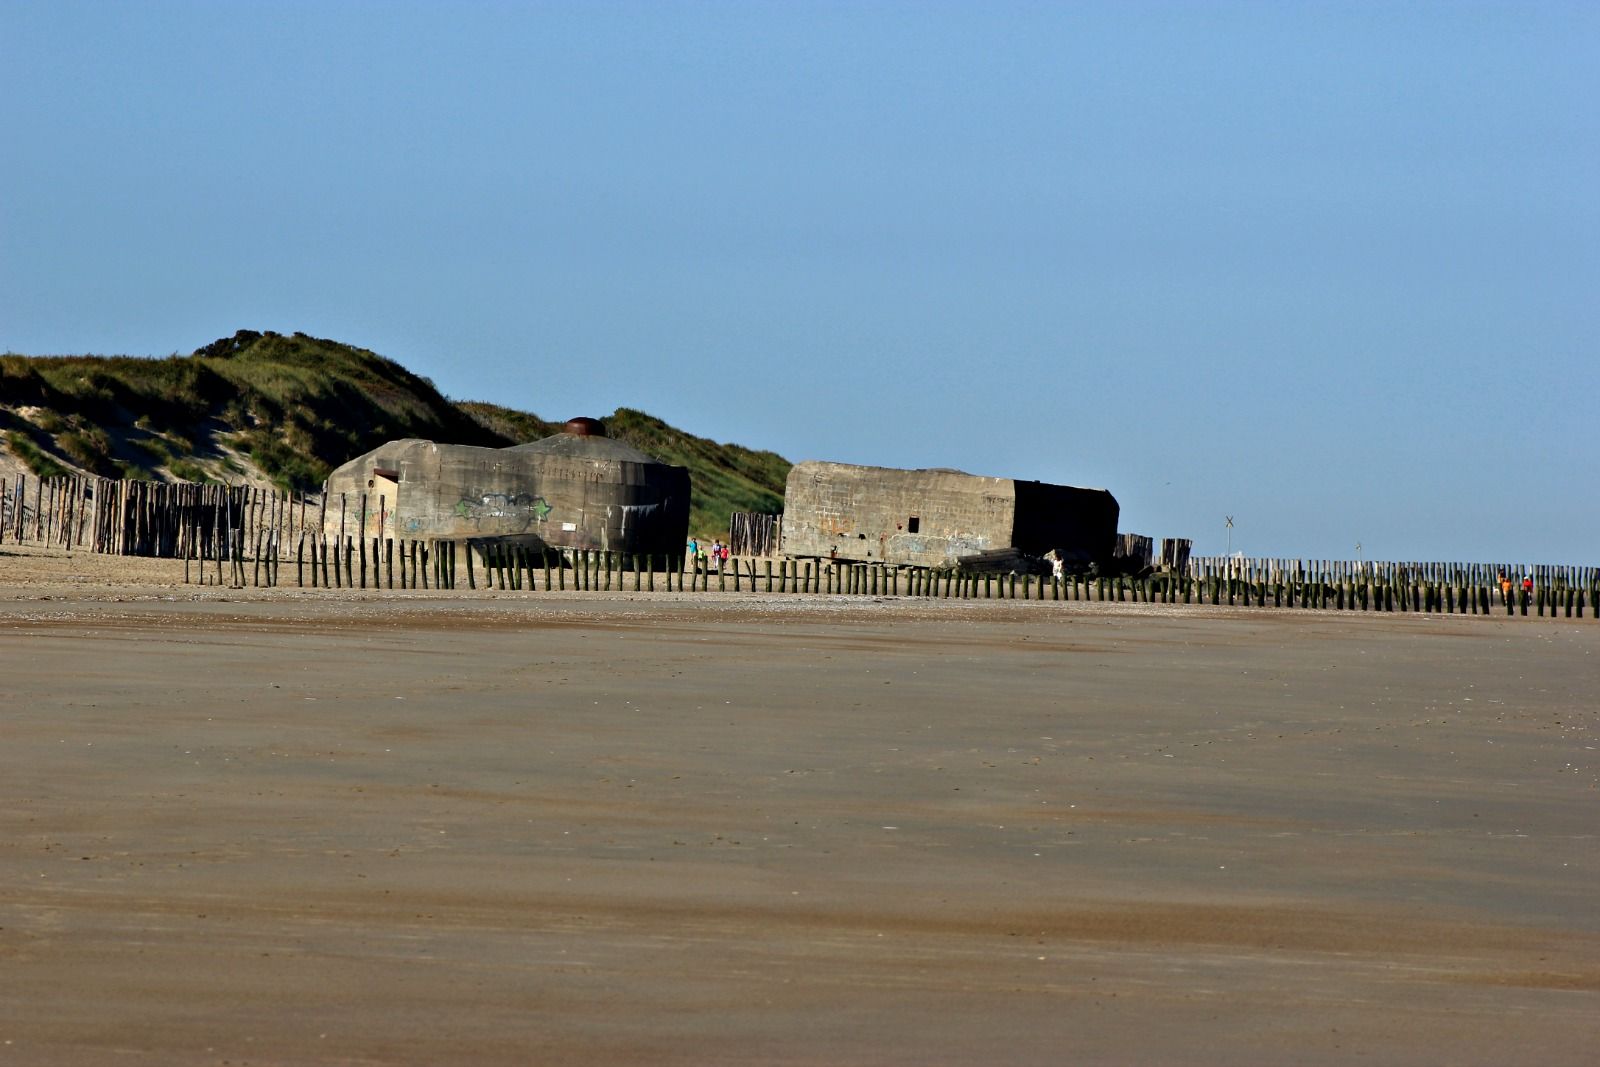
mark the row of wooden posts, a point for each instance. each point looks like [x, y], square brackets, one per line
[752, 533]
[127, 517]
[1257, 569]
[499, 565]
[238, 535]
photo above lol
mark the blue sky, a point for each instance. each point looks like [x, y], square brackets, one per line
[1329, 268]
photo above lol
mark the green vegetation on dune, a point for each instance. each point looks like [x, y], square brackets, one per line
[307, 405]
[39, 462]
[509, 424]
[298, 406]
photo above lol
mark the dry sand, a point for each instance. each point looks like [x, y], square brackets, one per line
[306, 827]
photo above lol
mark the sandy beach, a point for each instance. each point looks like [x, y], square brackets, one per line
[321, 827]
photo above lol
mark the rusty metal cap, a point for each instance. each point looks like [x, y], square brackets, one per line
[584, 427]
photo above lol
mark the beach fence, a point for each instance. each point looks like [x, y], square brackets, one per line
[753, 533]
[1175, 554]
[1132, 552]
[121, 516]
[241, 535]
[229, 526]
[1364, 585]
[1437, 588]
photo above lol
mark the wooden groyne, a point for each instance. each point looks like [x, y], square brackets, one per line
[752, 533]
[240, 535]
[171, 520]
[1451, 588]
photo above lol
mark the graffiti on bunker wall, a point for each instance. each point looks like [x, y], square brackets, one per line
[502, 506]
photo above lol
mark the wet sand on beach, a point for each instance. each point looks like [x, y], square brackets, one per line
[314, 827]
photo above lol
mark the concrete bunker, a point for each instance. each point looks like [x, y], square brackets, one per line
[940, 517]
[577, 489]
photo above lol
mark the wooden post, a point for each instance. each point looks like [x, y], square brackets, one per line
[69, 496]
[361, 539]
[300, 549]
[216, 551]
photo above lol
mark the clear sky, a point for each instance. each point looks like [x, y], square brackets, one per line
[1331, 269]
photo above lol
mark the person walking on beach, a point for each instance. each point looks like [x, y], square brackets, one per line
[716, 556]
[1505, 588]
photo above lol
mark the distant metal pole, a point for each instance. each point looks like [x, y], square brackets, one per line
[1229, 526]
